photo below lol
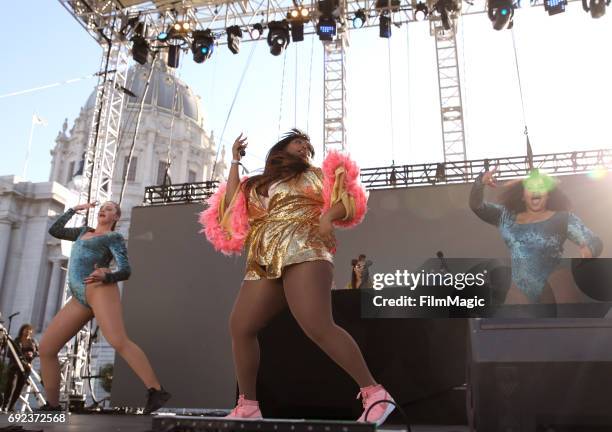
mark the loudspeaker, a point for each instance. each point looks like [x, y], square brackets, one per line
[548, 375]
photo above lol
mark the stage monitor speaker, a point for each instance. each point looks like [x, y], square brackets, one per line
[540, 375]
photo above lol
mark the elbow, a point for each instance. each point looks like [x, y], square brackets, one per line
[597, 248]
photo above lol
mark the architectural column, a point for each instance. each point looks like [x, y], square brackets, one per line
[52, 292]
[5, 240]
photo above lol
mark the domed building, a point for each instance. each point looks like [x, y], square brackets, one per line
[171, 129]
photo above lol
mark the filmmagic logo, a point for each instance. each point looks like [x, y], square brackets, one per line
[413, 280]
[430, 301]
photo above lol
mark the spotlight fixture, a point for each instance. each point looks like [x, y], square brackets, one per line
[554, 7]
[500, 13]
[234, 35]
[597, 8]
[297, 31]
[446, 9]
[384, 26]
[278, 36]
[162, 37]
[256, 31]
[202, 46]
[326, 28]
[140, 49]
[297, 18]
[360, 19]
[420, 11]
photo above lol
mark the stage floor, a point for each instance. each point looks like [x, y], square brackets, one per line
[141, 423]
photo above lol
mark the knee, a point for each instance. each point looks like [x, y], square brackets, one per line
[119, 343]
[317, 331]
[240, 327]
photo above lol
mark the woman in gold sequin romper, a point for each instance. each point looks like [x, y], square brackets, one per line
[285, 219]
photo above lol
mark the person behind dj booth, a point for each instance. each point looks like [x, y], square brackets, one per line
[26, 348]
[364, 268]
[534, 221]
[355, 274]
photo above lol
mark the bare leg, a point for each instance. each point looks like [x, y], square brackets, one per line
[308, 291]
[257, 302]
[68, 321]
[106, 304]
[564, 288]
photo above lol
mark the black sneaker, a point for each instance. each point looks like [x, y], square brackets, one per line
[156, 399]
[49, 408]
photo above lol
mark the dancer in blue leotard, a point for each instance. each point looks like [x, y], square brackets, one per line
[534, 221]
[94, 294]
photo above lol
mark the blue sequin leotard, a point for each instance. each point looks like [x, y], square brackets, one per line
[86, 253]
[535, 248]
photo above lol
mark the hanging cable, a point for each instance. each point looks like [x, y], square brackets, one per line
[166, 179]
[391, 101]
[126, 174]
[44, 87]
[309, 85]
[246, 68]
[409, 82]
[280, 110]
[518, 76]
[295, 95]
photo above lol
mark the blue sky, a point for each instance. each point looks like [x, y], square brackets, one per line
[564, 60]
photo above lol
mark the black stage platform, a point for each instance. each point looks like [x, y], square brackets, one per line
[142, 423]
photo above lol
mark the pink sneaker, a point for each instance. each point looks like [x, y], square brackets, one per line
[245, 410]
[379, 413]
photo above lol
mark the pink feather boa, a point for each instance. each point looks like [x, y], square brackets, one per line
[227, 243]
[352, 185]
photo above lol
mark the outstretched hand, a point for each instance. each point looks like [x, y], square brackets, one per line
[488, 178]
[239, 145]
[85, 206]
[585, 252]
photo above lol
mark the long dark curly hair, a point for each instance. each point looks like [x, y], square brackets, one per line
[512, 199]
[280, 165]
[22, 331]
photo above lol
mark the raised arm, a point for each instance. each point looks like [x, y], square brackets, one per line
[578, 233]
[233, 181]
[59, 230]
[488, 212]
[117, 247]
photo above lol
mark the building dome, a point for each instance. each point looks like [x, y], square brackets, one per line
[161, 94]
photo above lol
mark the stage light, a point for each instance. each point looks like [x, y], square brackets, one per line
[384, 26]
[297, 31]
[174, 55]
[140, 49]
[202, 46]
[186, 26]
[177, 26]
[326, 28]
[446, 9]
[360, 19]
[554, 7]
[257, 31]
[278, 36]
[234, 35]
[597, 8]
[421, 12]
[162, 36]
[500, 13]
[297, 18]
